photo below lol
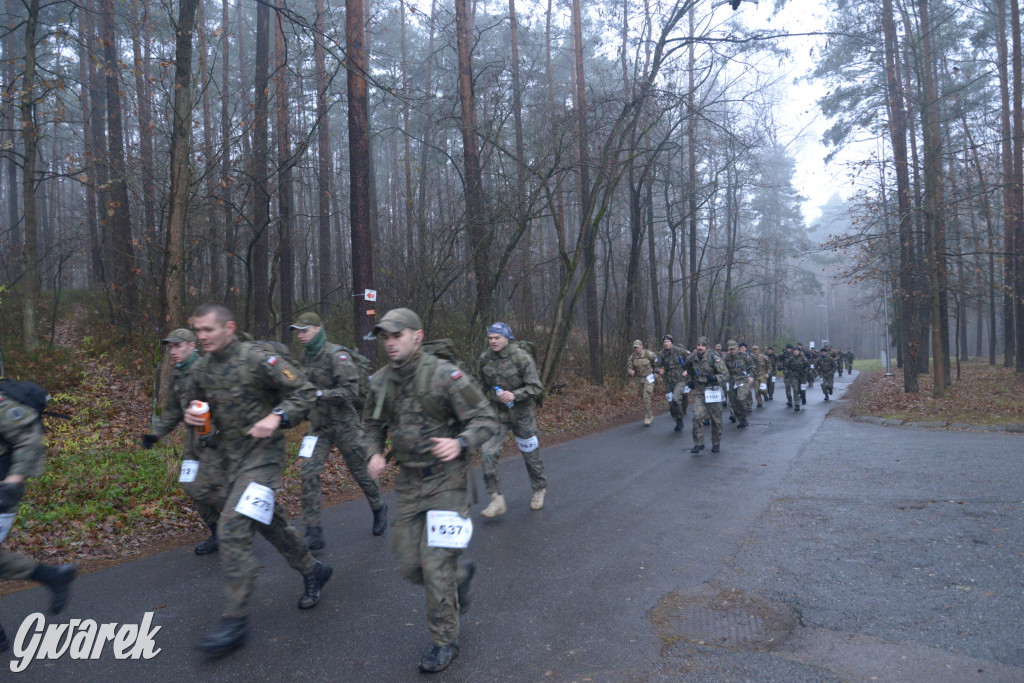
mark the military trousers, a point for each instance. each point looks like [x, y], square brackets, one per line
[16, 566]
[827, 383]
[702, 410]
[680, 399]
[739, 394]
[849, 366]
[761, 394]
[441, 487]
[523, 425]
[237, 558]
[348, 442]
[646, 390]
[209, 490]
[770, 382]
[793, 388]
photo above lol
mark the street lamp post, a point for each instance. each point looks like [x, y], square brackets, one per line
[828, 337]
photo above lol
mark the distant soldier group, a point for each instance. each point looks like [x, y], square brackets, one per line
[710, 380]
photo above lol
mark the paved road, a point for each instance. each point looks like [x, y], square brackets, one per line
[811, 549]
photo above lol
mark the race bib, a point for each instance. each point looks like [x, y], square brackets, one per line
[728, 386]
[189, 469]
[527, 445]
[713, 395]
[669, 397]
[307, 447]
[803, 387]
[650, 378]
[257, 503]
[773, 379]
[6, 522]
[686, 389]
[446, 529]
[812, 366]
[763, 387]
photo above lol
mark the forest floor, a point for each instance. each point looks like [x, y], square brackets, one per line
[104, 499]
[984, 395]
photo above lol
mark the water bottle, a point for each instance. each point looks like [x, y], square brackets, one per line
[508, 404]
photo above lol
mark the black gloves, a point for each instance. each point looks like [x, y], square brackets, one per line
[10, 496]
[148, 441]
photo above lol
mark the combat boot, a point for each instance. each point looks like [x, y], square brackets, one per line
[314, 538]
[789, 403]
[679, 425]
[380, 519]
[229, 635]
[438, 659]
[803, 398]
[57, 578]
[826, 397]
[537, 502]
[707, 421]
[648, 421]
[210, 545]
[697, 449]
[742, 424]
[465, 597]
[715, 448]
[314, 580]
[495, 507]
[796, 408]
[732, 418]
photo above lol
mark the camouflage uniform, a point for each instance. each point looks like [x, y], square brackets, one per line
[21, 452]
[826, 369]
[848, 357]
[671, 361]
[207, 491]
[797, 368]
[741, 370]
[334, 420]
[702, 372]
[513, 370]
[784, 365]
[762, 368]
[424, 483]
[642, 367]
[243, 384]
[772, 363]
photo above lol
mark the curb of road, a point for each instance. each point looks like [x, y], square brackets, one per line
[1013, 428]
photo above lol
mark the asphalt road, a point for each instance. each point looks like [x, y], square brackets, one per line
[811, 548]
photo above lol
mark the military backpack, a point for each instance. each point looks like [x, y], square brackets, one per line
[433, 352]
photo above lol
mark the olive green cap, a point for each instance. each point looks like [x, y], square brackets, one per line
[398, 319]
[179, 335]
[731, 344]
[637, 344]
[307, 319]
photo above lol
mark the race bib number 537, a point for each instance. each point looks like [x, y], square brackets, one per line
[446, 529]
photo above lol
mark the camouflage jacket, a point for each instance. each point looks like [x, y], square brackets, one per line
[797, 367]
[243, 383]
[762, 365]
[411, 426]
[513, 370]
[643, 364]
[772, 362]
[335, 375]
[826, 364]
[706, 371]
[21, 439]
[175, 404]
[672, 360]
[739, 366]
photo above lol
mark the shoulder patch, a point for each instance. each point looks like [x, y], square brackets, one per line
[456, 374]
[272, 360]
[15, 413]
[288, 374]
[342, 356]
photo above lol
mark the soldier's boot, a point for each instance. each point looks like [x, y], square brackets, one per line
[465, 596]
[4, 643]
[210, 545]
[647, 421]
[803, 398]
[715, 448]
[380, 519]
[495, 507]
[826, 397]
[438, 659]
[58, 578]
[742, 424]
[707, 421]
[697, 448]
[537, 502]
[796, 407]
[679, 425]
[732, 418]
[314, 538]
[314, 581]
[229, 635]
[789, 403]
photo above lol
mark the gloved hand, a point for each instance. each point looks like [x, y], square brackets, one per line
[10, 496]
[149, 440]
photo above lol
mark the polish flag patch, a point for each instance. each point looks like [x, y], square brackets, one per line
[457, 374]
[343, 357]
[272, 360]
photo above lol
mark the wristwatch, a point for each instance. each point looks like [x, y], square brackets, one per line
[463, 443]
[283, 415]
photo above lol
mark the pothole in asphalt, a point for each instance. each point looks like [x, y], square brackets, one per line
[722, 618]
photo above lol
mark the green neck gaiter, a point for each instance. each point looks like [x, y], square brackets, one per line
[316, 343]
[183, 365]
